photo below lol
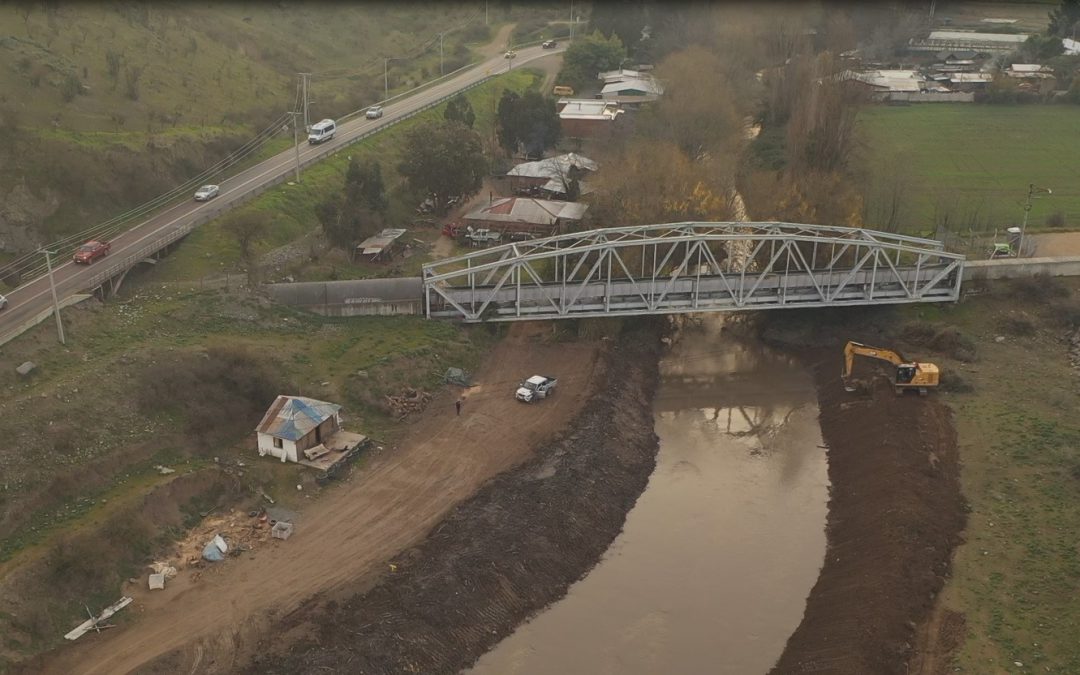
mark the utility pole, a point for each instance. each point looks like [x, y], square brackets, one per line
[571, 19]
[304, 82]
[386, 78]
[296, 143]
[485, 12]
[1032, 190]
[56, 302]
[441, 36]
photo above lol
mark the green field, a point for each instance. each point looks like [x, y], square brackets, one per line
[971, 164]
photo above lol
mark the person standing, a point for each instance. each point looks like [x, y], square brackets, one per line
[457, 404]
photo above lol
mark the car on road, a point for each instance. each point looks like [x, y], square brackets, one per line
[206, 193]
[322, 131]
[549, 44]
[3, 301]
[374, 112]
[91, 251]
[510, 54]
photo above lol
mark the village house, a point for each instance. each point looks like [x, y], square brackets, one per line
[1033, 77]
[304, 430]
[538, 217]
[957, 40]
[550, 177]
[588, 118]
[882, 83]
[629, 87]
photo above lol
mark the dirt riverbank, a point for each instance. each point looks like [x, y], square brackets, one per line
[895, 516]
[495, 559]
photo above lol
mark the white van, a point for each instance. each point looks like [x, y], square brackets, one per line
[323, 131]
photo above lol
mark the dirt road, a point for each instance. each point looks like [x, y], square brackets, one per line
[200, 626]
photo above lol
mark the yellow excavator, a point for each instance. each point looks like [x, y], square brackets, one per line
[909, 374]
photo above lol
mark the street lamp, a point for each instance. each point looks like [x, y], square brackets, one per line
[1032, 191]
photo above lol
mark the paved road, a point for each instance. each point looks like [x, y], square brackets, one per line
[31, 299]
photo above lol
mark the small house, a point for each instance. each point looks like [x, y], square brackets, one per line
[588, 118]
[295, 424]
[525, 215]
[551, 176]
[1033, 76]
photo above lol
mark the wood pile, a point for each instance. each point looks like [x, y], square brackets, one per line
[409, 401]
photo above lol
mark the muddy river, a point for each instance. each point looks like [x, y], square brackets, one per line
[712, 570]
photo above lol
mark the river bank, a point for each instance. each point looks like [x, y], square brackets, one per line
[896, 512]
[510, 550]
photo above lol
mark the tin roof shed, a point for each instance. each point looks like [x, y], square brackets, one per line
[293, 417]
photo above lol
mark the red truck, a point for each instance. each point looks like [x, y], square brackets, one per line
[91, 251]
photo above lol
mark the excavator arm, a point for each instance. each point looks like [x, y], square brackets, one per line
[853, 349]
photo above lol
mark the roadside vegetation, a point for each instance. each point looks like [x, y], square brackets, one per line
[155, 94]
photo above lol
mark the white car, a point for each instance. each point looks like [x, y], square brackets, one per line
[536, 387]
[510, 54]
[3, 302]
[374, 112]
[206, 193]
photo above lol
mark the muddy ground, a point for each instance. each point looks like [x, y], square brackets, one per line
[504, 554]
[895, 515]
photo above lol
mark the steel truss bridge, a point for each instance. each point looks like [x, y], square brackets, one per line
[690, 267]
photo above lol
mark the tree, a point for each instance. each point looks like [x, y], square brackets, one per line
[697, 111]
[248, 228]
[1041, 48]
[1064, 19]
[589, 56]
[530, 121]
[359, 210]
[460, 110]
[443, 159]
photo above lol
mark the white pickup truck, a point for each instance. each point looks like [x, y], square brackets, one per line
[536, 387]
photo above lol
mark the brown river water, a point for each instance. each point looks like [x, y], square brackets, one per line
[711, 572]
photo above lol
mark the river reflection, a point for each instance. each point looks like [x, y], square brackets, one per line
[712, 570]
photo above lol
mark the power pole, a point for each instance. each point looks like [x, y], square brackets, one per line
[386, 78]
[571, 19]
[485, 12]
[304, 81]
[296, 143]
[56, 302]
[441, 35]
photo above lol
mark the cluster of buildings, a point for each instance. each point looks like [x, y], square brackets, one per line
[954, 65]
[543, 195]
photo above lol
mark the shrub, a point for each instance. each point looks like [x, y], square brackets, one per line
[1039, 288]
[953, 382]
[952, 342]
[1056, 219]
[1018, 326]
[221, 393]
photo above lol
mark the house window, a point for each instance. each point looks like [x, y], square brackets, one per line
[278, 443]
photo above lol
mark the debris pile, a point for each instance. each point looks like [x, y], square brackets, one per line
[1074, 349]
[409, 401]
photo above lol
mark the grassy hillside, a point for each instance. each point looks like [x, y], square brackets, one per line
[103, 106]
[972, 163]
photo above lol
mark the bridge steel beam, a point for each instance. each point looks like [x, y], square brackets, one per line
[690, 267]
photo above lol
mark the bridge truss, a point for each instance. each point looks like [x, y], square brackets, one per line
[690, 267]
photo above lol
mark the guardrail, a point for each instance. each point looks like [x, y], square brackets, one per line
[129, 261]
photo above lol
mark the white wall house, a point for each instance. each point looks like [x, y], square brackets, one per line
[294, 424]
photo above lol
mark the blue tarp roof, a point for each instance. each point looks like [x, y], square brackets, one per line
[293, 417]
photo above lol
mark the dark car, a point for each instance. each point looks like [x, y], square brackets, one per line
[91, 251]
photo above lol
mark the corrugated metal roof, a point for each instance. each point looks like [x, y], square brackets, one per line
[588, 109]
[528, 210]
[378, 242]
[293, 417]
[962, 36]
[553, 167]
[643, 84]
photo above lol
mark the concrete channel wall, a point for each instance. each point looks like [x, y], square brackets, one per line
[1018, 268]
[362, 297]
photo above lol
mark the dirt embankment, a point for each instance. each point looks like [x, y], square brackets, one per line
[895, 516]
[512, 549]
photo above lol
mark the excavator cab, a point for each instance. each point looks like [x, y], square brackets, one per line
[909, 374]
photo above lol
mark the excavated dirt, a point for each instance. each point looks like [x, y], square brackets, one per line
[895, 516]
[512, 549]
